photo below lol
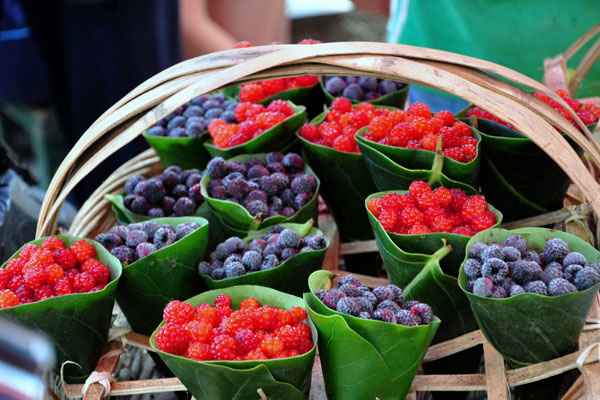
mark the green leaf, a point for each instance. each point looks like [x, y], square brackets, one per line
[291, 276]
[235, 216]
[518, 176]
[185, 152]
[77, 324]
[148, 284]
[286, 378]
[364, 359]
[275, 138]
[529, 328]
[428, 273]
[396, 167]
[394, 99]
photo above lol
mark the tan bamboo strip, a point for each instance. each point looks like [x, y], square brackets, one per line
[453, 346]
[576, 391]
[367, 246]
[579, 43]
[543, 219]
[495, 378]
[329, 228]
[138, 340]
[591, 372]
[129, 388]
[108, 363]
[449, 383]
[543, 370]
[584, 66]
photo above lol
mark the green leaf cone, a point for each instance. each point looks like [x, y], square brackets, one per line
[184, 152]
[394, 99]
[276, 138]
[419, 264]
[77, 324]
[286, 378]
[236, 217]
[530, 328]
[148, 284]
[291, 276]
[364, 359]
[395, 167]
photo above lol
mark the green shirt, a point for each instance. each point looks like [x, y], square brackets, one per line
[518, 34]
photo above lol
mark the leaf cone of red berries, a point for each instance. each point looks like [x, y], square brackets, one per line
[420, 146]
[349, 346]
[515, 324]
[215, 330]
[259, 129]
[65, 286]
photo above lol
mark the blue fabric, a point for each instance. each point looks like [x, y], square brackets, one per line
[436, 101]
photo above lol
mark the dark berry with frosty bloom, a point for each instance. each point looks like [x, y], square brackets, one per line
[288, 253]
[511, 254]
[272, 248]
[350, 290]
[371, 297]
[232, 258]
[216, 168]
[386, 86]
[317, 242]
[257, 195]
[287, 197]
[335, 85]
[574, 258]
[495, 269]
[140, 205]
[537, 287]
[269, 261]
[516, 289]
[132, 183]
[424, 311]
[385, 315]
[167, 204]
[275, 204]
[556, 250]
[234, 269]
[389, 304]
[302, 199]
[293, 162]
[365, 304]
[274, 156]
[288, 212]
[398, 293]
[524, 271]
[332, 297]
[236, 166]
[348, 305]
[409, 304]
[498, 292]
[304, 183]
[349, 279]
[136, 237]
[164, 237]
[144, 249]
[551, 272]
[492, 251]
[150, 228]
[516, 241]
[180, 190]
[257, 245]
[406, 318]
[477, 249]
[205, 268]
[195, 193]
[218, 274]
[320, 293]
[483, 287]
[531, 255]
[252, 260]
[154, 190]
[571, 271]
[121, 231]
[185, 229]
[124, 254]
[258, 171]
[236, 187]
[354, 92]
[472, 268]
[383, 293]
[586, 278]
[274, 167]
[184, 206]
[257, 207]
[288, 238]
[109, 240]
[560, 286]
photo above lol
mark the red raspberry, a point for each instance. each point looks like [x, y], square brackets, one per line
[436, 124]
[441, 224]
[587, 117]
[411, 216]
[299, 314]
[206, 313]
[252, 92]
[458, 199]
[173, 339]
[373, 206]
[290, 337]
[420, 127]
[24, 294]
[443, 196]
[304, 331]
[42, 293]
[254, 110]
[329, 132]
[470, 152]
[28, 251]
[241, 111]
[366, 107]
[462, 129]
[381, 112]
[414, 144]
[44, 257]
[341, 105]
[419, 109]
[419, 229]
[256, 354]
[400, 135]
[266, 318]
[592, 109]
[483, 221]
[14, 267]
[446, 116]
[333, 116]
[272, 346]
[267, 119]
[310, 133]
[100, 273]
[280, 105]
[396, 116]
[89, 264]
[83, 282]
[246, 340]
[222, 313]
[83, 250]
[249, 303]
[198, 331]
[343, 143]
[380, 127]
[178, 312]
[248, 128]
[223, 347]
[429, 142]
[4, 277]
[303, 81]
[473, 206]
[242, 44]
[455, 153]
[432, 214]
[284, 317]
[53, 273]
[359, 119]
[8, 299]
[53, 244]
[419, 188]
[66, 259]
[34, 278]
[390, 201]
[449, 137]
[309, 41]
[272, 86]
[235, 140]
[406, 200]
[198, 351]
[15, 282]
[62, 287]
[241, 319]
[388, 219]
[223, 300]
[97, 288]
[463, 230]
[72, 273]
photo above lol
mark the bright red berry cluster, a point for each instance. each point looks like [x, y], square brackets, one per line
[255, 92]
[39, 273]
[588, 113]
[253, 332]
[423, 210]
[253, 120]
[341, 123]
[419, 129]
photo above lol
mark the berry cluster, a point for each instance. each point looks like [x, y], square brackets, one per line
[419, 129]
[251, 120]
[174, 193]
[276, 187]
[587, 113]
[341, 123]
[233, 258]
[51, 270]
[138, 240]
[193, 118]
[253, 332]
[383, 303]
[257, 91]
[500, 271]
[423, 210]
[360, 88]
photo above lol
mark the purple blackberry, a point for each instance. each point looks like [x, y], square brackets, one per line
[424, 311]
[472, 268]
[274, 167]
[257, 171]
[257, 195]
[275, 229]
[531, 255]
[556, 250]
[109, 240]
[135, 226]
[167, 204]
[288, 212]
[275, 204]
[302, 199]
[365, 315]
[354, 92]
[236, 187]
[253, 184]
[233, 245]
[173, 168]
[469, 287]
[335, 85]
[392, 305]
[184, 206]
[205, 268]
[156, 131]
[383, 293]
[252, 260]
[492, 251]
[508, 282]
[560, 286]
[551, 272]
[477, 249]
[348, 279]
[525, 271]
[586, 278]
[511, 254]
[332, 297]
[144, 249]
[221, 252]
[293, 162]
[516, 289]
[398, 294]
[406, 318]
[150, 228]
[154, 191]
[516, 241]
[370, 297]
[269, 185]
[288, 253]
[306, 249]
[195, 129]
[574, 258]
[164, 237]
[595, 266]
[236, 166]
[217, 274]
[483, 287]
[176, 122]
[304, 183]
[288, 238]
[317, 242]
[232, 258]
[350, 290]
[192, 180]
[257, 207]
[287, 197]
[385, 315]
[371, 96]
[571, 271]
[121, 231]
[368, 83]
[272, 248]
[124, 254]
[180, 190]
[213, 113]
[365, 304]
[195, 193]
[269, 261]
[127, 200]
[257, 245]
[219, 192]
[537, 287]
[136, 237]
[320, 293]
[132, 183]
[495, 269]
[210, 104]
[498, 292]
[271, 238]
[140, 205]
[234, 269]
[185, 229]
[140, 188]
[348, 305]
[156, 212]
[193, 111]
[386, 86]
[216, 168]
[178, 132]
